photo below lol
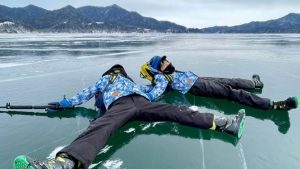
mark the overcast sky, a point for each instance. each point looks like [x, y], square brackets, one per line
[190, 13]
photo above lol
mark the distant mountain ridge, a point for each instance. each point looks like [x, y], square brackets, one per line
[84, 19]
[89, 19]
[287, 24]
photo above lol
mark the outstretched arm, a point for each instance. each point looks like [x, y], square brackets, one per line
[87, 93]
[159, 88]
[145, 88]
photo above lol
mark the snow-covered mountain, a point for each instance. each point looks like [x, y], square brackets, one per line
[11, 27]
[85, 19]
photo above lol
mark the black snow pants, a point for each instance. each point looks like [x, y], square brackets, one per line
[232, 89]
[129, 108]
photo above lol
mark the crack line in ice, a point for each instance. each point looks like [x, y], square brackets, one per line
[110, 54]
[242, 155]
[202, 150]
[43, 75]
[51, 143]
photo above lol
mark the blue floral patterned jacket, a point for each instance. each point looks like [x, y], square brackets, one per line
[120, 87]
[182, 81]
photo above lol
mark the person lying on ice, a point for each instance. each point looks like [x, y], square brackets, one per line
[125, 101]
[163, 74]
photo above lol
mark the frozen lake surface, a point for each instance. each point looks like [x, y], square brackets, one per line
[41, 68]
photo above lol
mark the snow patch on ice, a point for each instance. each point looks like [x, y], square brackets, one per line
[94, 165]
[130, 130]
[113, 164]
[105, 149]
[54, 152]
[146, 127]
[194, 108]
[156, 123]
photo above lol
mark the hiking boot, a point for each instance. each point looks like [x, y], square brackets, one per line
[288, 104]
[231, 125]
[256, 80]
[26, 162]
